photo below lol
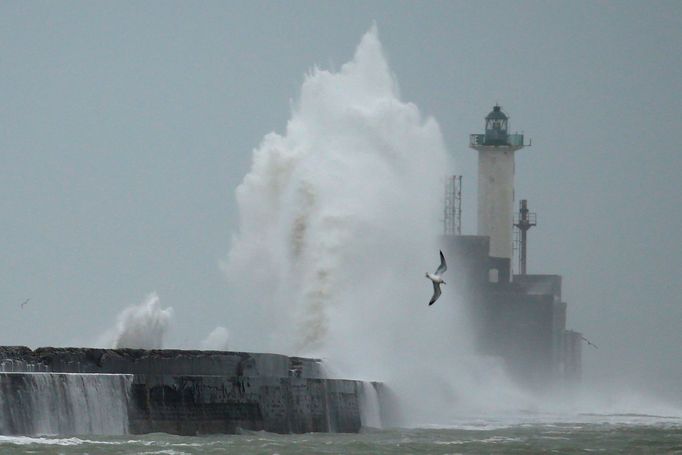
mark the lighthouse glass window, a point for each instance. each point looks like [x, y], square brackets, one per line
[497, 124]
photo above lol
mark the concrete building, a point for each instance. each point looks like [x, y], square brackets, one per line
[520, 318]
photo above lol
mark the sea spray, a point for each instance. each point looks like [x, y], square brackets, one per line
[217, 340]
[141, 326]
[339, 220]
[352, 185]
[144, 326]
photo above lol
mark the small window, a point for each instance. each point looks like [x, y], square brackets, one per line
[493, 275]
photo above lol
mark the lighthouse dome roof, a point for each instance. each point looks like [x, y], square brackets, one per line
[496, 114]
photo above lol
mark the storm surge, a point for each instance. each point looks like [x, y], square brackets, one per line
[340, 216]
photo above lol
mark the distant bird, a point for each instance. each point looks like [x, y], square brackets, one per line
[437, 279]
[589, 342]
[24, 303]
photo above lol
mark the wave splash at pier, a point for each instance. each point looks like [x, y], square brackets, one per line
[339, 219]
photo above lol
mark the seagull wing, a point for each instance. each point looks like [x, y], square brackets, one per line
[590, 343]
[436, 293]
[443, 266]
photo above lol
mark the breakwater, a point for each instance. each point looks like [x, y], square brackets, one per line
[114, 391]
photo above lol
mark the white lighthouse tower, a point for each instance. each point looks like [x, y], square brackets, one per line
[496, 181]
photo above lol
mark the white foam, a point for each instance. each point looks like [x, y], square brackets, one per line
[45, 440]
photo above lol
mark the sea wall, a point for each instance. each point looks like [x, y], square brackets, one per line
[216, 404]
[64, 403]
[157, 361]
[178, 392]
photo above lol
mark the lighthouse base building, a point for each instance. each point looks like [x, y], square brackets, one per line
[518, 317]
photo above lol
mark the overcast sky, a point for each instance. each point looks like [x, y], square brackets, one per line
[126, 126]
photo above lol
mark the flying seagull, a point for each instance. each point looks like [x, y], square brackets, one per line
[24, 303]
[437, 279]
[589, 342]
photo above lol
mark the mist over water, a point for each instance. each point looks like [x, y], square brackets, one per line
[339, 219]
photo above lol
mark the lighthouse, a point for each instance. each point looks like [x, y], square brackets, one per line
[496, 148]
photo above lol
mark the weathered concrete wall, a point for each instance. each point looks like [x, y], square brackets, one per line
[200, 392]
[216, 404]
[161, 362]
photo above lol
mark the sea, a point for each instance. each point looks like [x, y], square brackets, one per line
[536, 434]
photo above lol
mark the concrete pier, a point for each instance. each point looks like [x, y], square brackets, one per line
[197, 392]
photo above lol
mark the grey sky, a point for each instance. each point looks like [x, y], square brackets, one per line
[126, 126]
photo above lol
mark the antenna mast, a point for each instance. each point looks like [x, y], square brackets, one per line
[525, 221]
[452, 219]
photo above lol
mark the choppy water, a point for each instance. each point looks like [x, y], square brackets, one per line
[622, 434]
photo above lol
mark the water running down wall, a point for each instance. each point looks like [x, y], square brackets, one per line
[64, 403]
